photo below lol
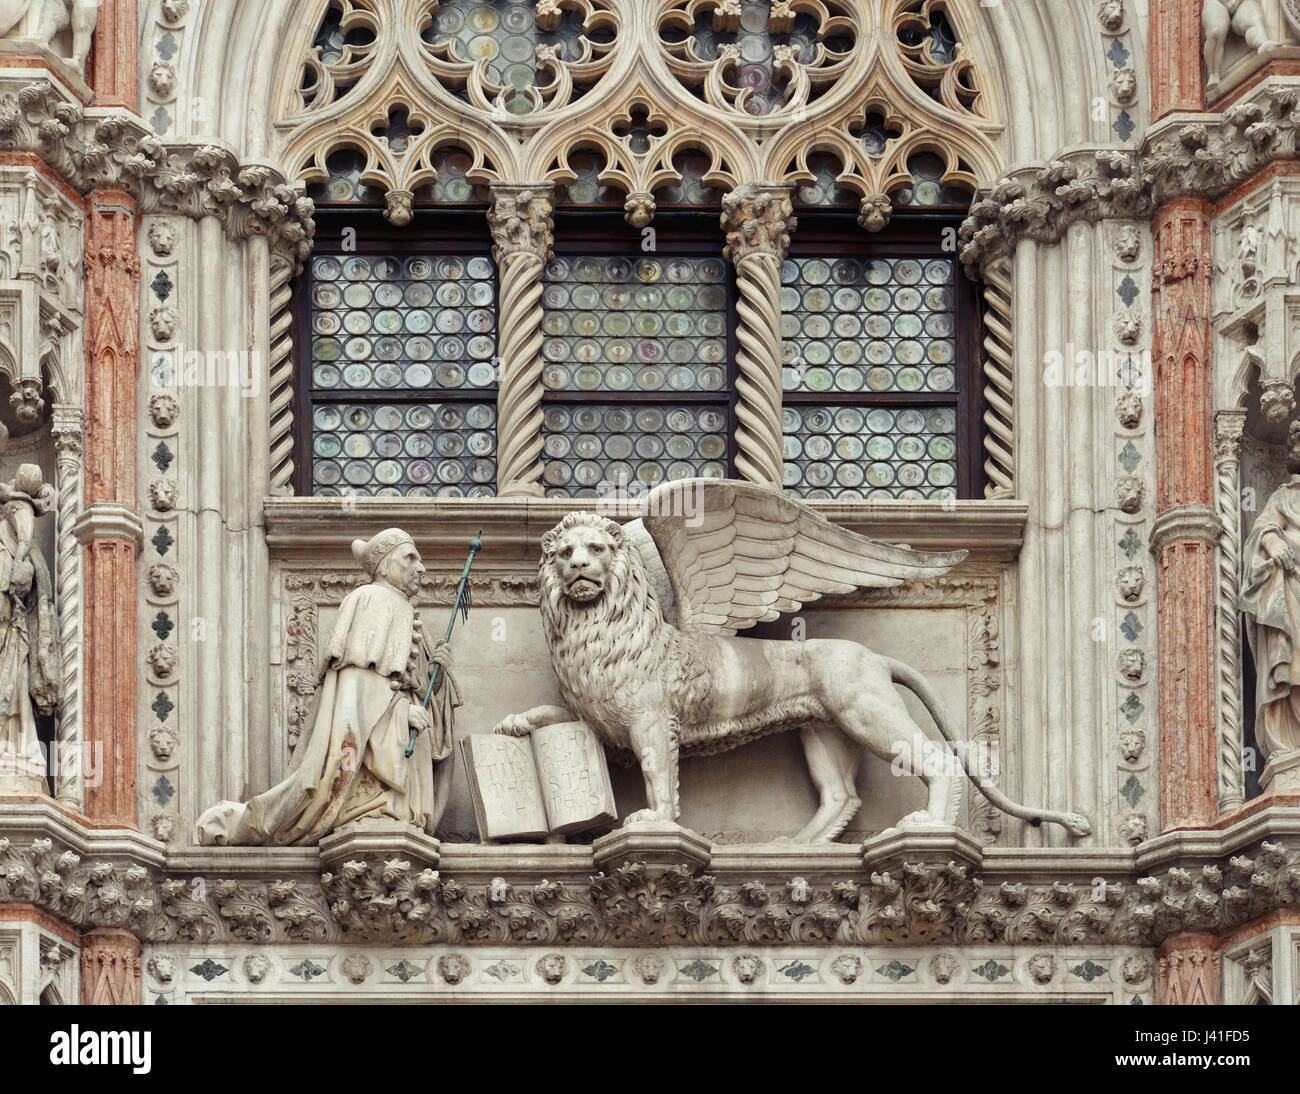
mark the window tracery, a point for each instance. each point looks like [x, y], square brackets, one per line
[877, 109]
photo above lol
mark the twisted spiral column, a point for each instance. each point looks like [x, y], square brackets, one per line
[67, 427]
[758, 220]
[1228, 427]
[523, 233]
[281, 375]
[999, 412]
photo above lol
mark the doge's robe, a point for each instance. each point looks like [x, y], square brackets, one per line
[1271, 597]
[352, 763]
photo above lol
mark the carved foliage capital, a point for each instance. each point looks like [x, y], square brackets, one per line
[1229, 425]
[521, 219]
[758, 219]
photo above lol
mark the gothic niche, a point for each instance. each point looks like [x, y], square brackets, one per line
[1263, 470]
[30, 668]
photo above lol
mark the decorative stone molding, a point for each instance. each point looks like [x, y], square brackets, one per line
[1185, 523]
[108, 520]
[104, 150]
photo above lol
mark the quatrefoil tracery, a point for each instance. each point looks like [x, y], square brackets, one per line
[756, 57]
[879, 100]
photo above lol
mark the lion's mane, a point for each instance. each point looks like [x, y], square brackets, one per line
[600, 648]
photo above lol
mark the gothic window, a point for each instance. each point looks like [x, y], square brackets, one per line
[638, 383]
[630, 361]
[401, 390]
[879, 393]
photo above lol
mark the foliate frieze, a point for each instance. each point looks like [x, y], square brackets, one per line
[399, 902]
[1204, 156]
[1090, 186]
[98, 150]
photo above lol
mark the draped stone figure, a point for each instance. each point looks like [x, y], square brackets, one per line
[29, 650]
[352, 764]
[1270, 597]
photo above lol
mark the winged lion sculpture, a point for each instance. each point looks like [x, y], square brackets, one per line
[640, 620]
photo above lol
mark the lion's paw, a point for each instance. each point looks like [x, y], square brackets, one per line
[643, 816]
[514, 725]
[922, 818]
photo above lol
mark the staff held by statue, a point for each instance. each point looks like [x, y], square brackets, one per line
[460, 608]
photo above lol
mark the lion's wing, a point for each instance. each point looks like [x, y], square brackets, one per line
[747, 553]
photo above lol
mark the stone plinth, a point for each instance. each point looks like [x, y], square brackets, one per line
[378, 838]
[939, 845]
[659, 844]
[1282, 771]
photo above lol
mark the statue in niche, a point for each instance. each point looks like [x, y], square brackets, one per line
[30, 662]
[1270, 597]
[639, 619]
[1242, 17]
[370, 695]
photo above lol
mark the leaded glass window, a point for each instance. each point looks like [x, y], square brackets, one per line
[637, 379]
[402, 385]
[877, 390]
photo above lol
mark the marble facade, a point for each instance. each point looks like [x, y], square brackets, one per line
[1122, 209]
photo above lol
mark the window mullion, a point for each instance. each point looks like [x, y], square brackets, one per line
[523, 233]
[757, 220]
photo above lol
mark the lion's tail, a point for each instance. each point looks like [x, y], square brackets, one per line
[1075, 823]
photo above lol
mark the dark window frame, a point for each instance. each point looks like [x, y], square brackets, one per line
[823, 234]
[435, 231]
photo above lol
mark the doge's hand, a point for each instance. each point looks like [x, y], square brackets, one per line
[417, 718]
[441, 656]
[515, 725]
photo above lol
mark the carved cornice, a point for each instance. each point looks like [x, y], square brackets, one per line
[97, 149]
[991, 529]
[532, 895]
[1185, 524]
[1196, 155]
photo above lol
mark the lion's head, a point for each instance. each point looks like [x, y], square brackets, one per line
[599, 614]
[582, 557]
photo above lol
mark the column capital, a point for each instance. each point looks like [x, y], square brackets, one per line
[1229, 427]
[758, 218]
[521, 219]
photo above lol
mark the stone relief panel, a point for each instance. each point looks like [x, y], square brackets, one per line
[949, 628]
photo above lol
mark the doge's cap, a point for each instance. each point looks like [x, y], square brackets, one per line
[371, 553]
